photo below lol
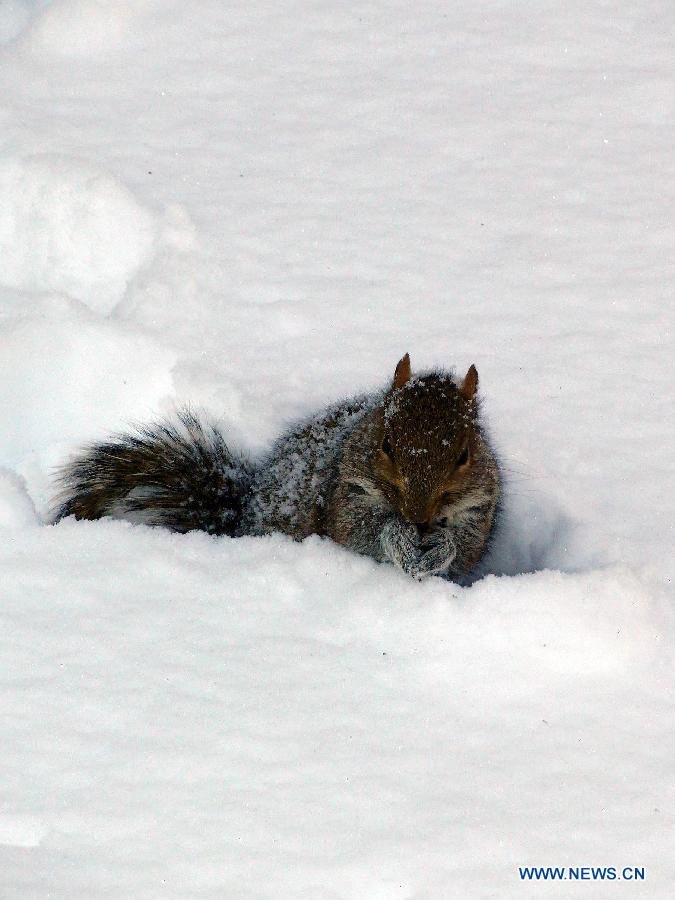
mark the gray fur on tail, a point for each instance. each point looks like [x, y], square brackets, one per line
[180, 475]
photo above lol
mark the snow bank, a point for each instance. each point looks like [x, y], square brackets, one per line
[309, 723]
[66, 226]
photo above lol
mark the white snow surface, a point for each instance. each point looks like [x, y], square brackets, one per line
[56, 222]
[257, 209]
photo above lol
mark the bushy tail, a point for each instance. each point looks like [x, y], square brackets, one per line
[178, 475]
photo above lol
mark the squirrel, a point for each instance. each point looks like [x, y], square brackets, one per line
[405, 475]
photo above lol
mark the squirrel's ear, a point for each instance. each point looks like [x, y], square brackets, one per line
[402, 373]
[468, 386]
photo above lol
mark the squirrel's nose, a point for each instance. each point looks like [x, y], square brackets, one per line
[419, 516]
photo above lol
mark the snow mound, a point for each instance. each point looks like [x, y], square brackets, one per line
[392, 736]
[108, 376]
[84, 28]
[16, 508]
[66, 226]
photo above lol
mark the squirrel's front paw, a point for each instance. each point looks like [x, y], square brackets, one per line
[437, 550]
[400, 545]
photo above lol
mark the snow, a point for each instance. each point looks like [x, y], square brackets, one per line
[84, 28]
[16, 509]
[56, 224]
[258, 209]
[67, 374]
[14, 15]
[259, 718]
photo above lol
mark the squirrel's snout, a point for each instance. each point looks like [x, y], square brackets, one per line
[420, 517]
[423, 525]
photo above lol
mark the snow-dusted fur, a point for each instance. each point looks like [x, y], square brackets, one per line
[296, 481]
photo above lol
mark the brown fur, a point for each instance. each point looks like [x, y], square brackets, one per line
[422, 452]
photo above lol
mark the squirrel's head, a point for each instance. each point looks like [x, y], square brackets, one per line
[427, 440]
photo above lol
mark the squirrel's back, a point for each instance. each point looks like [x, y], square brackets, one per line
[294, 482]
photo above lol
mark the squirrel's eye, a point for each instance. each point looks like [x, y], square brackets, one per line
[463, 457]
[386, 447]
